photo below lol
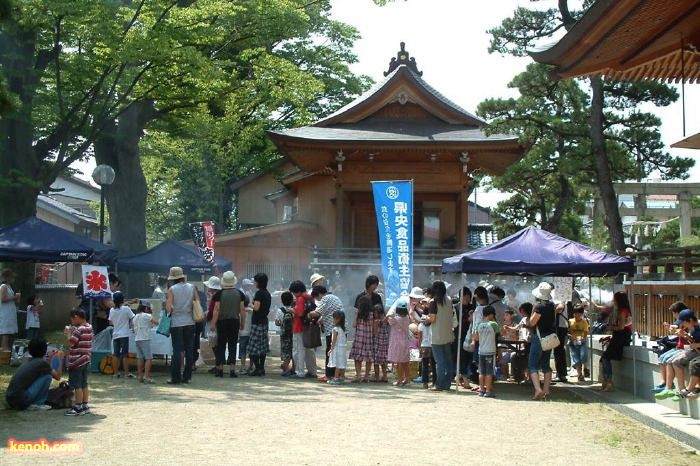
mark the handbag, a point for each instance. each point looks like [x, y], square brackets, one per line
[60, 397]
[198, 312]
[467, 345]
[213, 338]
[549, 342]
[164, 324]
[312, 335]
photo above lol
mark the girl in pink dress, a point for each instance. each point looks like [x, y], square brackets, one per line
[399, 352]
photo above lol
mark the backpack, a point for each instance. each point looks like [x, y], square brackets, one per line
[60, 397]
[309, 306]
[287, 322]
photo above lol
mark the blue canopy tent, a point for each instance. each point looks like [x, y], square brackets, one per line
[168, 254]
[34, 240]
[533, 251]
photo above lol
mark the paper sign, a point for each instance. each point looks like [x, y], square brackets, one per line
[563, 287]
[96, 282]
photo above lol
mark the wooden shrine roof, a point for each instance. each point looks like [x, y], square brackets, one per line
[401, 114]
[631, 40]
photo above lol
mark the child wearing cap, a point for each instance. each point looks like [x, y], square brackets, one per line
[399, 352]
[486, 336]
[689, 330]
[688, 333]
[672, 329]
[120, 320]
[142, 328]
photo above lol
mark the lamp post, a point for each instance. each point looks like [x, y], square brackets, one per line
[103, 175]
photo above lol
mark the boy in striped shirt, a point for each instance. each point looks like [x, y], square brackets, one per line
[78, 364]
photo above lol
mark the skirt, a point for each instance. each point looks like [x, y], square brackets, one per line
[338, 358]
[259, 340]
[381, 345]
[363, 345]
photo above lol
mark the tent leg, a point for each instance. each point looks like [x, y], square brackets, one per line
[459, 333]
[590, 335]
[634, 341]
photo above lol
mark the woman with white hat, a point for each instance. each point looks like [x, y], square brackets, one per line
[316, 280]
[542, 321]
[229, 308]
[181, 295]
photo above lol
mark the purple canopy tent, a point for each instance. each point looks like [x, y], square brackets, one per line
[533, 251]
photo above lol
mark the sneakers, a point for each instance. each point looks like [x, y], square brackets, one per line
[38, 408]
[74, 411]
[661, 387]
[286, 374]
[694, 394]
[418, 380]
[680, 395]
[233, 375]
[489, 395]
[84, 411]
[662, 395]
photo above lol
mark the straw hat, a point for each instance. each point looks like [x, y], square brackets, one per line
[228, 279]
[316, 277]
[416, 292]
[175, 273]
[543, 291]
[214, 283]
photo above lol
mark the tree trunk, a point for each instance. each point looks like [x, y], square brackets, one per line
[562, 206]
[126, 197]
[602, 167]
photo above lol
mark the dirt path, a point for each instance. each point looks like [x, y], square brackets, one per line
[260, 421]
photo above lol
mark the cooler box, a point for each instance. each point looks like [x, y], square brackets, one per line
[95, 358]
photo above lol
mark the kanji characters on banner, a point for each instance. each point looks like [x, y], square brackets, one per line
[393, 202]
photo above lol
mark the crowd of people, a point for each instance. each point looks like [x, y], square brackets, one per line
[498, 337]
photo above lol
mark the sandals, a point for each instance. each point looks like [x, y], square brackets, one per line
[356, 379]
[148, 381]
[538, 396]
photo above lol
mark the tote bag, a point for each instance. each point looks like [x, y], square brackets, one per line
[164, 324]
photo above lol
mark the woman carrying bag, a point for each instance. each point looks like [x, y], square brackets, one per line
[542, 321]
[179, 305]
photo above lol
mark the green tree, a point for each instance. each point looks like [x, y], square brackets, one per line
[550, 118]
[622, 142]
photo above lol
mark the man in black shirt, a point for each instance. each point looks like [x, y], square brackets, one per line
[29, 387]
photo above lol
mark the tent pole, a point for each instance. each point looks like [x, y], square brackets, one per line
[590, 334]
[634, 340]
[459, 332]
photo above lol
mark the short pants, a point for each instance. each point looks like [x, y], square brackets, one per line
[143, 349]
[78, 376]
[121, 347]
[487, 364]
[243, 346]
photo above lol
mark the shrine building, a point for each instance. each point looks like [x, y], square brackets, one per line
[313, 211]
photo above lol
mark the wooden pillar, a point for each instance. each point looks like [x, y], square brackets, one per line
[685, 212]
[462, 214]
[339, 213]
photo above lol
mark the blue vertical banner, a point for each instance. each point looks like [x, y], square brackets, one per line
[393, 202]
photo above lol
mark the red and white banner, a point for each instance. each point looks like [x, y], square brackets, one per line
[204, 237]
[95, 282]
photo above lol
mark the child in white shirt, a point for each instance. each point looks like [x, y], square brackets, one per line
[142, 340]
[34, 308]
[120, 319]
